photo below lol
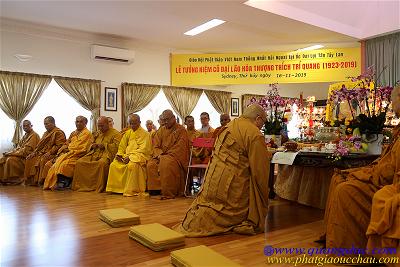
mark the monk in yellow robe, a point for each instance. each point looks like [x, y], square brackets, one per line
[234, 195]
[166, 170]
[91, 171]
[349, 205]
[63, 168]
[128, 170]
[206, 129]
[12, 165]
[45, 151]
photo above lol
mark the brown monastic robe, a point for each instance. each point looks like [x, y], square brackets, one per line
[48, 145]
[91, 171]
[348, 208]
[12, 166]
[234, 196]
[169, 171]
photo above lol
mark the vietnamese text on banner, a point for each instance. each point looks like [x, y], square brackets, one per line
[323, 65]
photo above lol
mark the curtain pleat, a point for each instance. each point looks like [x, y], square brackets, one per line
[384, 54]
[86, 93]
[220, 100]
[183, 100]
[19, 92]
[137, 97]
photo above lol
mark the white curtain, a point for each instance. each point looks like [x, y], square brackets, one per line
[6, 133]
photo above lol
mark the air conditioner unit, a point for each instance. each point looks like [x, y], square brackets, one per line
[113, 54]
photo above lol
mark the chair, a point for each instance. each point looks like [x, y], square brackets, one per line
[197, 143]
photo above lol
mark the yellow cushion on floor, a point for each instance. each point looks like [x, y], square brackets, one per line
[200, 256]
[119, 217]
[156, 236]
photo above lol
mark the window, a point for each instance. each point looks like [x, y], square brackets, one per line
[154, 109]
[57, 103]
[6, 132]
[204, 105]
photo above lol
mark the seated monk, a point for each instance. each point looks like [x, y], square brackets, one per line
[76, 146]
[166, 170]
[46, 150]
[234, 195]
[91, 171]
[224, 119]
[349, 204]
[12, 165]
[205, 129]
[128, 170]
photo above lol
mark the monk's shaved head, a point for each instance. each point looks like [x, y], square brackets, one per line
[168, 118]
[27, 126]
[224, 119]
[102, 124]
[134, 121]
[255, 113]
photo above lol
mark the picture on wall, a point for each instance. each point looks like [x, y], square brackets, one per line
[110, 101]
[235, 107]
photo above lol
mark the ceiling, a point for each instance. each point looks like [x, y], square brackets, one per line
[247, 28]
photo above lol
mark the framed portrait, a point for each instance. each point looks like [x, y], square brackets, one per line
[110, 101]
[235, 107]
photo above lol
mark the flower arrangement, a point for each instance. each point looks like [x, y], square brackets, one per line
[276, 108]
[368, 102]
[349, 145]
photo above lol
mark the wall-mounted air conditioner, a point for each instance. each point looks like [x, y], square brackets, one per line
[112, 54]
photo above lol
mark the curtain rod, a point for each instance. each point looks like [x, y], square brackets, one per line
[46, 75]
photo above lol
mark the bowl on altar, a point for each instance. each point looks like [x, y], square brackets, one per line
[291, 146]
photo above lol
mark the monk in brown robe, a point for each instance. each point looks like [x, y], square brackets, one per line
[12, 165]
[224, 119]
[46, 150]
[198, 155]
[91, 171]
[206, 129]
[349, 205]
[166, 170]
[234, 196]
[75, 147]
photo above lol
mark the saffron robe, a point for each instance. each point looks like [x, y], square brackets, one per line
[384, 227]
[130, 179]
[77, 144]
[12, 166]
[234, 196]
[198, 154]
[91, 171]
[348, 209]
[166, 170]
[49, 144]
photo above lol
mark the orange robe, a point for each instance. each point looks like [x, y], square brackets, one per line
[77, 144]
[50, 143]
[198, 154]
[384, 227]
[234, 196]
[167, 173]
[348, 209]
[12, 166]
[91, 171]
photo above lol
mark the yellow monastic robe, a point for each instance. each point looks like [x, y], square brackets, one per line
[49, 144]
[77, 144]
[12, 166]
[348, 208]
[91, 171]
[234, 196]
[384, 227]
[130, 179]
[166, 170]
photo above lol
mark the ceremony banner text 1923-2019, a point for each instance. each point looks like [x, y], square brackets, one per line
[323, 65]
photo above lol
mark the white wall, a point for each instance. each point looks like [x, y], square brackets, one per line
[67, 53]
